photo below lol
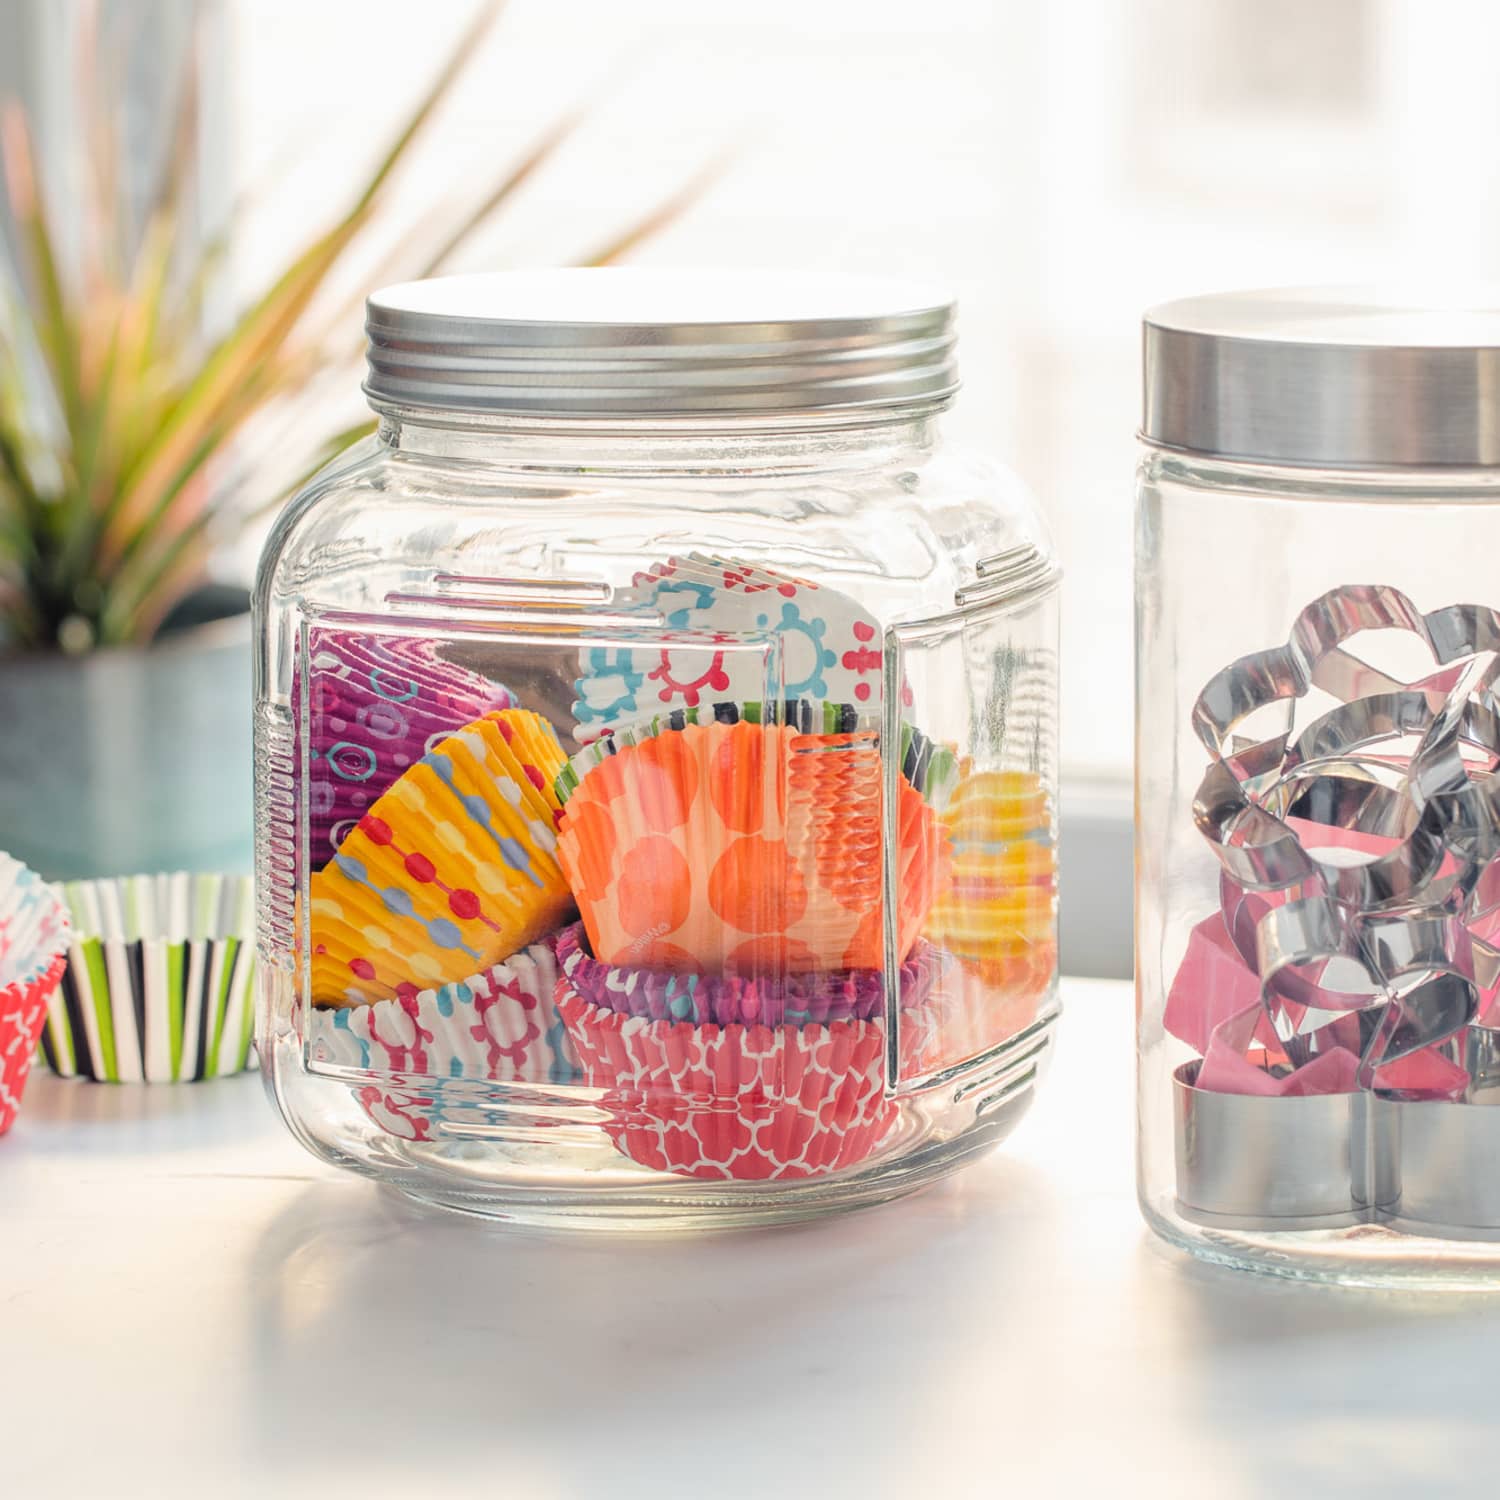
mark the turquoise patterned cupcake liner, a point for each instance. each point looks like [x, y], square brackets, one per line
[159, 983]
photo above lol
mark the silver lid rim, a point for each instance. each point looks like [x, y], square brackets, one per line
[1329, 378]
[428, 357]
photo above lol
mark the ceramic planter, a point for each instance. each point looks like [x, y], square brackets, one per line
[129, 760]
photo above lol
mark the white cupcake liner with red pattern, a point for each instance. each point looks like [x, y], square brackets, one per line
[500, 1026]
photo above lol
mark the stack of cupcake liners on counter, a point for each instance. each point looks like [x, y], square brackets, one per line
[34, 933]
[141, 979]
[159, 983]
[688, 916]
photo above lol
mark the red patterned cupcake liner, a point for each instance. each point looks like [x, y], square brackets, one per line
[748, 1103]
[34, 932]
[23, 1014]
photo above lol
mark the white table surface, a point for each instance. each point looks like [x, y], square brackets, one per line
[189, 1304]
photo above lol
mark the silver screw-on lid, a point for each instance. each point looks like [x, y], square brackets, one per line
[630, 343]
[1339, 377]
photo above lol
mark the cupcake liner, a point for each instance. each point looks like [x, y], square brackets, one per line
[34, 932]
[932, 769]
[1001, 903]
[987, 920]
[23, 1013]
[998, 914]
[700, 999]
[738, 1102]
[445, 1049]
[452, 870]
[744, 848]
[376, 705]
[829, 647]
[500, 1025]
[801, 714]
[158, 987]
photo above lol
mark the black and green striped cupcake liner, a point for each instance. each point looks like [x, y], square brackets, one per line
[932, 769]
[159, 983]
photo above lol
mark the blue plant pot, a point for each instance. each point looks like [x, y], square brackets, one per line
[130, 760]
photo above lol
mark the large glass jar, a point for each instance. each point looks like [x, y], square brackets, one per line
[1318, 814]
[655, 765]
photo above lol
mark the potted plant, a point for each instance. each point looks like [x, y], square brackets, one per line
[131, 447]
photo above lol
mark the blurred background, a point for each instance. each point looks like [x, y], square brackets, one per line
[1062, 163]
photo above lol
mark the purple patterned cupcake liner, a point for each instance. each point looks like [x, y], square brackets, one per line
[376, 704]
[730, 999]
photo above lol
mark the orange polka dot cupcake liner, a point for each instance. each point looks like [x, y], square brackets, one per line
[746, 848]
[453, 869]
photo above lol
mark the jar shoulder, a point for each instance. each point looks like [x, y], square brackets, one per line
[378, 518]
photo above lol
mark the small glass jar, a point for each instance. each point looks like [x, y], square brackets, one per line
[1318, 810]
[655, 767]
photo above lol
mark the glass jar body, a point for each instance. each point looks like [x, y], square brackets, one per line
[1295, 650]
[762, 601]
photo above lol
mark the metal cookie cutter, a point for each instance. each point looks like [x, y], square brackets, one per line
[1251, 1161]
[1446, 1152]
[1383, 936]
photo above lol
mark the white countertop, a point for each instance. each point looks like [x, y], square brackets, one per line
[189, 1304]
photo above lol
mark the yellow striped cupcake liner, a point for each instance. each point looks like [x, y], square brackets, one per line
[1002, 902]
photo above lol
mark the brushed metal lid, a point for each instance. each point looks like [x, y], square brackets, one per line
[629, 343]
[1338, 377]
